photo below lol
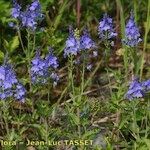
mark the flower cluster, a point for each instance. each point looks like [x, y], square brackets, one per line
[105, 28]
[16, 10]
[38, 69]
[86, 42]
[83, 46]
[30, 16]
[72, 46]
[132, 35]
[9, 85]
[42, 69]
[137, 89]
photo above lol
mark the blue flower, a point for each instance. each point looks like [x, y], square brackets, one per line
[105, 28]
[72, 44]
[38, 69]
[20, 92]
[9, 76]
[9, 84]
[86, 42]
[135, 90]
[51, 60]
[30, 16]
[42, 69]
[4, 94]
[146, 85]
[132, 35]
[35, 6]
[28, 21]
[16, 10]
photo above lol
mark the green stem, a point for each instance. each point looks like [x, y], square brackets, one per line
[49, 92]
[79, 127]
[28, 55]
[71, 77]
[136, 132]
[133, 60]
[47, 131]
[20, 38]
[92, 74]
[122, 18]
[125, 59]
[80, 99]
[107, 51]
[145, 38]
[147, 119]
[33, 44]
[135, 9]
[5, 109]
[83, 73]
[109, 80]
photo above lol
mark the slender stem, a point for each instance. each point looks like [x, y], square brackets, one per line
[125, 59]
[34, 39]
[79, 127]
[49, 92]
[109, 80]
[145, 38]
[78, 12]
[20, 38]
[62, 94]
[19, 116]
[107, 51]
[71, 77]
[135, 120]
[2, 123]
[29, 58]
[122, 18]
[4, 117]
[47, 131]
[133, 60]
[147, 119]
[80, 98]
[135, 9]
[92, 74]
[83, 73]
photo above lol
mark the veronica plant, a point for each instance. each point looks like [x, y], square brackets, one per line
[137, 93]
[71, 49]
[137, 89]
[43, 73]
[106, 34]
[131, 41]
[88, 50]
[79, 50]
[27, 19]
[43, 70]
[10, 87]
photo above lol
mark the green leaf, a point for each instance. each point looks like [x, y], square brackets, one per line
[89, 134]
[74, 118]
[14, 43]
[147, 142]
[1, 56]
[6, 44]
